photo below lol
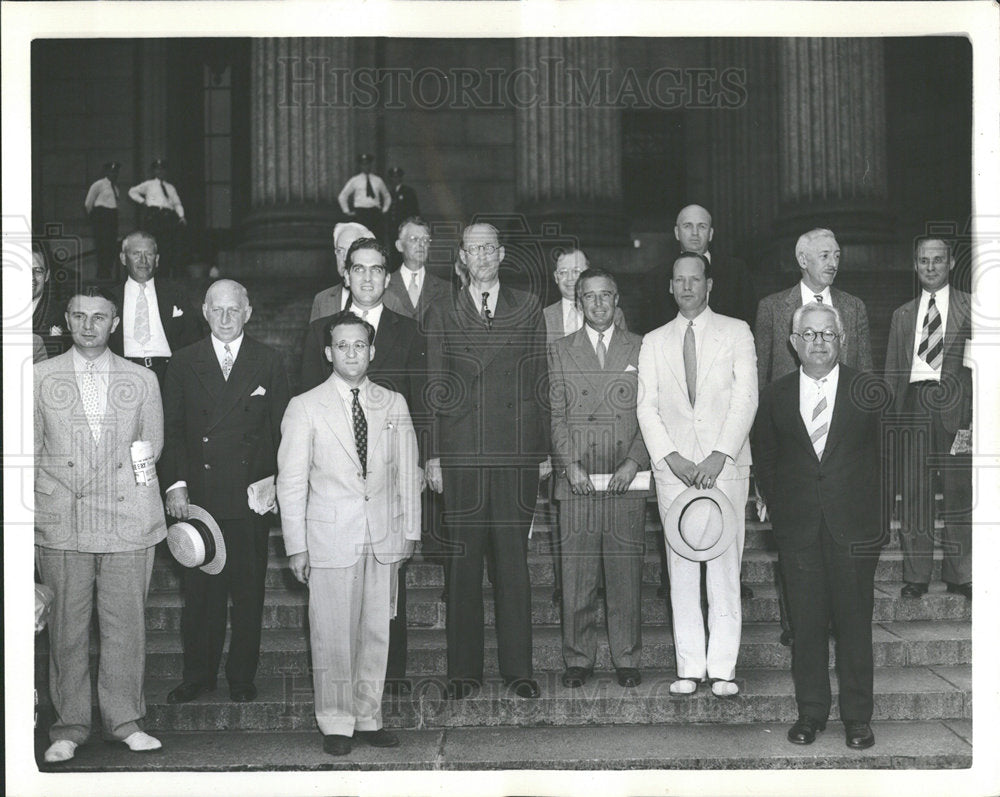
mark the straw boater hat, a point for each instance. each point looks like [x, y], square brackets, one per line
[197, 541]
[700, 524]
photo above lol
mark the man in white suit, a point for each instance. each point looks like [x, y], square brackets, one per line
[349, 490]
[697, 399]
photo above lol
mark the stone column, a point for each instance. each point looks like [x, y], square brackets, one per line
[568, 150]
[832, 139]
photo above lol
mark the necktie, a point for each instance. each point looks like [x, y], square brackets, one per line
[602, 350]
[818, 433]
[487, 316]
[360, 431]
[166, 198]
[931, 349]
[114, 188]
[414, 290]
[91, 404]
[690, 361]
[818, 297]
[142, 333]
[227, 363]
[349, 302]
[369, 191]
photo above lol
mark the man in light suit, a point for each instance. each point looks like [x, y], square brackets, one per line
[334, 299]
[933, 395]
[593, 380]
[413, 290]
[223, 399]
[697, 398]
[817, 443]
[95, 525]
[818, 254]
[349, 488]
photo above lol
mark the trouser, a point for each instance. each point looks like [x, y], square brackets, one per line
[122, 580]
[371, 218]
[396, 666]
[164, 225]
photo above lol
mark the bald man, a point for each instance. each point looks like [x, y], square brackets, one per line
[223, 400]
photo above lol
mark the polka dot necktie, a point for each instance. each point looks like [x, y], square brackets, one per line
[360, 431]
[91, 401]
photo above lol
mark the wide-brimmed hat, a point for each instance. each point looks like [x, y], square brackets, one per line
[197, 541]
[700, 524]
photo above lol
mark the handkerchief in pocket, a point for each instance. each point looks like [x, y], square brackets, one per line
[177, 312]
[630, 367]
[259, 391]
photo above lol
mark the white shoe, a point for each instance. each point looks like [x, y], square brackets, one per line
[141, 742]
[60, 750]
[684, 686]
[725, 688]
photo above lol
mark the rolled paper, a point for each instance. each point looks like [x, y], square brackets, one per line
[143, 462]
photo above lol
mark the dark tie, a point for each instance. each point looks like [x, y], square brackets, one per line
[369, 191]
[690, 361]
[360, 432]
[818, 297]
[166, 198]
[487, 316]
[931, 346]
[350, 300]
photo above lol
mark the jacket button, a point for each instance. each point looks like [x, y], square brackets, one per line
[509, 405]
[591, 418]
[585, 392]
[204, 439]
[366, 498]
[119, 466]
[121, 497]
[70, 463]
[207, 466]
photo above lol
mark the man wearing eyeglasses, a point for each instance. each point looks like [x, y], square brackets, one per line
[349, 488]
[489, 382]
[816, 445]
[413, 289]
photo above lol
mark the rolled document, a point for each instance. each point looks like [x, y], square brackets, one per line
[143, 462]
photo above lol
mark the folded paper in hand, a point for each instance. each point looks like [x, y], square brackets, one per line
[261, 496]
[640, 482]
[962, 443]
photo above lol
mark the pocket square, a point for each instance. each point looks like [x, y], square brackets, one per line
[259, 391]
[630, 367]
[177, 312]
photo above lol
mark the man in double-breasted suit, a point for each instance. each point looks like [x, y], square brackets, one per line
[697, 398]
[817, 450]
[565, 317]
[349, 488]
[933, 398]
[818, 254]
[491, 435]
[413, 290]
[223, 400]
[95, 525]
[593, 381]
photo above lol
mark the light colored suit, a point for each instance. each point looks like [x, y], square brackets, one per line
[93, 523]
[720, 420]
[355, 531]
[553, 315]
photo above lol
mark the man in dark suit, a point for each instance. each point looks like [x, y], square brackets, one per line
[332, 300]
[48, 309]
[157, 317]
[400, 364]
[223, 400]
[933, 395]
[413, 290]
[733, 294]
[491, 435]
[593, 382]
[817, 455]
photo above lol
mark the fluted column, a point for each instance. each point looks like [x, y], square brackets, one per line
[301, 140]
[568, 157]
[832, 138]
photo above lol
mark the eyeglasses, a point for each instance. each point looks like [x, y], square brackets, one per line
[418, 239]
[357, 270]
[562, 273]
[357, 347]
[481, 249]
[809, 335]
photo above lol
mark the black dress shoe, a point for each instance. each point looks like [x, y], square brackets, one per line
[379, 738]
[911, 590]
[242, 693]
[787, 637]
[575, 677]
[335, 744]
[961, 589]
[804, 730]
[859, 735]
[398, 687]
[745, 592]
[629, 677]
[188, 691]
[459, 689]
[523, 687]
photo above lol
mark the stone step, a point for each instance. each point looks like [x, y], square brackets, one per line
[285, 650]
[766, 695]
[287, 608]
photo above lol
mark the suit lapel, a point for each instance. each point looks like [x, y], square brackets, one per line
[377, 402]
[674, 351]
[585, 357]
[245, 369]
[788, 404]
[337, 419]
[841, 409]
[909, 326]
[710, 346]
[618, 353]
[206, 368]
[958, 312]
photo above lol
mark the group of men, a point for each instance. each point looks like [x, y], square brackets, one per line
[461, 400]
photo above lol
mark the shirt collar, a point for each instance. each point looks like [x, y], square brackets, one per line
[150, 284]
[830, 379]
[809, 296]
[101, 363]
[406, 274]
[344, 389]
[941, 294]
[593, 333]
[220, 347]
[699, 320]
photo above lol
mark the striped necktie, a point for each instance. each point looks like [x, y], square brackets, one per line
[931, 349]
[819, 426]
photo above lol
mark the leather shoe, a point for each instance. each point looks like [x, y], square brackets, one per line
[398, 687]
[787, 637]
[188, 691]
[335, 744]
[523, 687]
[575, 677]
[745, 592]
[460, 689]
[961, 589]
[242, 693]
[379, 738]
[911, 590]
[629, 677]
[859, 735]
[60, 750]
[804, 730]
[142, 742]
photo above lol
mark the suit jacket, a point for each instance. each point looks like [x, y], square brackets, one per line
[50, 316]
[326, 505]
[434, 292]
[594, 420]
[957, 413]
[326, 302]
[554, 322]
[732, 294]
[86, 498]
[182, 322]
[844, 487]
[775, 355]
[725, 395]
[489, 386]
[222, 435]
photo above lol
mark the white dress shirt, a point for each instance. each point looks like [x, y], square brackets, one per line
[920, 371]
[357, 187]
[407, 274]
[220, 348]
[157, 345]
[698, 327]
[810, 391]
[372, 315]
[491, 299]
[157, 193]
[572, 316]
[593, 333]
[809, 295]
[102, 194]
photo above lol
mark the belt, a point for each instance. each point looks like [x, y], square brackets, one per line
[148, 362]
